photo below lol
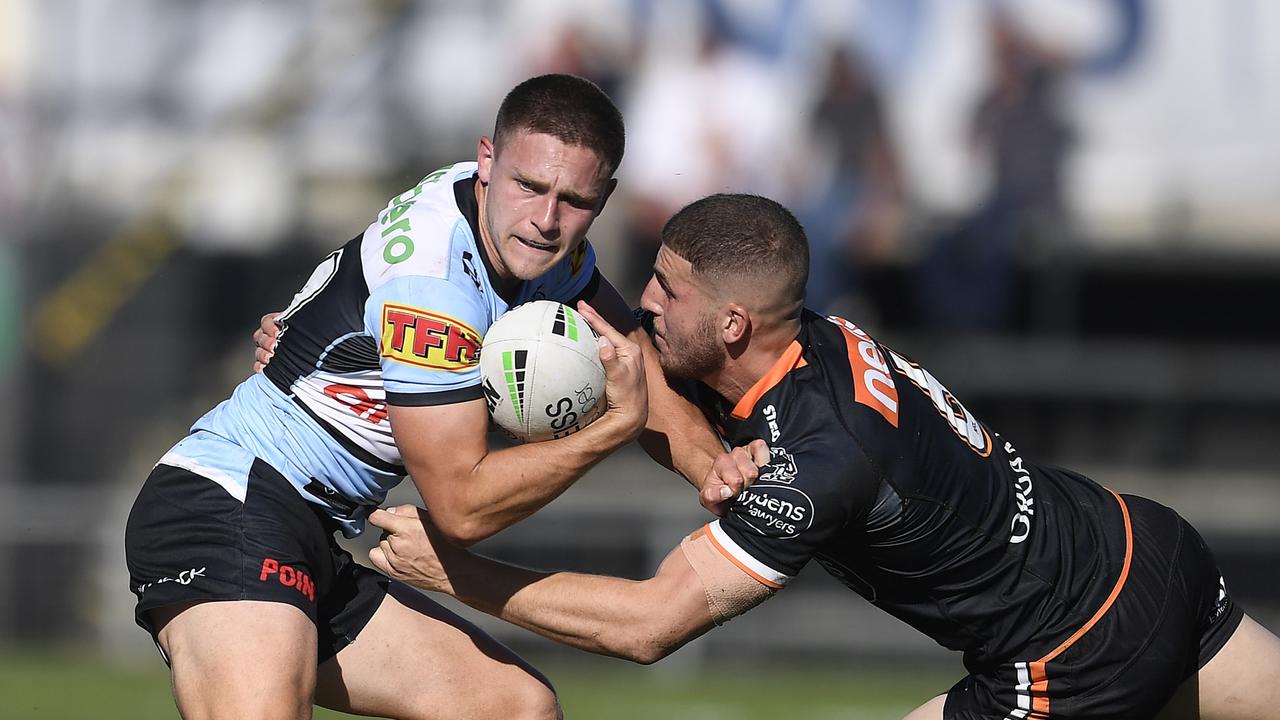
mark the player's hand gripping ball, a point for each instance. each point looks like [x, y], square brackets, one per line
[542, 373]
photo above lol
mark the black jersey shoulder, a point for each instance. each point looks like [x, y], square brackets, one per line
[820, 479]
[331, 306]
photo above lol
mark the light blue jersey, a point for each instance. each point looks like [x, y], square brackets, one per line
[396, 317]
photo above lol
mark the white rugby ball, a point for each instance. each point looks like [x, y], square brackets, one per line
[542, 373]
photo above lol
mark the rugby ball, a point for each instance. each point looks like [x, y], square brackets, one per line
[541, 371]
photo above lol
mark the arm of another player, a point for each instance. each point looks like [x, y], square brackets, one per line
[694, 588]
[677, 435]
[474, 492]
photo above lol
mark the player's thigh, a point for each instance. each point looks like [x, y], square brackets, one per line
[416, 659]
[238, 659]
[1241, 682]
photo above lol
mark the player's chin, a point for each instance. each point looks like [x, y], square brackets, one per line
[535, 263]
[671, 369]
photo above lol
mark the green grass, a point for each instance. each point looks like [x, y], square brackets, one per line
[76, 687]
[768, 692]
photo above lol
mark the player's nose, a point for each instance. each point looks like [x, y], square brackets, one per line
[546, 216]
[649, 298]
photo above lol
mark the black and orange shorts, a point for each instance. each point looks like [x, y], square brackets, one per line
[188, 539]
[1167, 616]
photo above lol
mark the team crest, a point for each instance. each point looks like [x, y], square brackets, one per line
[781, 468]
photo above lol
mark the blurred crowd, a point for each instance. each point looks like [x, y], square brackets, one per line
[931, 142]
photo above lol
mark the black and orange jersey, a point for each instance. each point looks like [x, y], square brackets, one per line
[880, 474]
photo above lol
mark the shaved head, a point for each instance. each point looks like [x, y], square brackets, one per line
[570, 108]
[746, 246]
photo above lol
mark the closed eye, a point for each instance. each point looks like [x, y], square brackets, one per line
[579, 202]
[662, 283]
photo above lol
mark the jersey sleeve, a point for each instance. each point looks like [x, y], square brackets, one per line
[802, 499]
[428, 332]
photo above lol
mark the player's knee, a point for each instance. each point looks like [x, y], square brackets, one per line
[533, 699]
[231, 697]
[232, 706]
[511, 696]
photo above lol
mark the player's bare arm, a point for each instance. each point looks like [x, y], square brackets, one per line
[676, 434]
[474, 492]
[694, 589]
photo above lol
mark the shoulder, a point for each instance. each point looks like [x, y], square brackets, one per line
[454, 301]
[858, 380]
[425, 325]
[826, 439]
[811, 451]
[421, 231]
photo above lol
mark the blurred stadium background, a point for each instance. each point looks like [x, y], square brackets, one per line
[1068, 209]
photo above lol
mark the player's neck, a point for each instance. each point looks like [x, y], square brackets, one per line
[743, 369]
[499, 276]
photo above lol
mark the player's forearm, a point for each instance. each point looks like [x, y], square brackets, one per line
[676, 434]
[602, 615]
[508, 485]
[685, 448]
[641, 621]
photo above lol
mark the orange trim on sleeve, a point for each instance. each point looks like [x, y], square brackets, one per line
[1039, 674]
[729, 556]
[790, 360]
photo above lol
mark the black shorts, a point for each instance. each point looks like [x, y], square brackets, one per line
[189, 539]
[1170, 615]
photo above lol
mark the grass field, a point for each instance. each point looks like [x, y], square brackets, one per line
[73, 687]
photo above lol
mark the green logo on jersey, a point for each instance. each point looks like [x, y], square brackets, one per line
[400, 248]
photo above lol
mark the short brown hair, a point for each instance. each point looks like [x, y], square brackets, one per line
[567, 107]
[729, 237]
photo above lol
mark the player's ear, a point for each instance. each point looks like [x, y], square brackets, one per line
[608, 190]
[485, 154]
[735, 323]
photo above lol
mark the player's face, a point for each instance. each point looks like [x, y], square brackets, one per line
[685, 319]
[538, 198]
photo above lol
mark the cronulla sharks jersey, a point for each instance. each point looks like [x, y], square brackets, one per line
[395, 316]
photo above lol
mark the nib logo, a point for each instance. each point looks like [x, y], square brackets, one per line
[566, 323]
[513, 368]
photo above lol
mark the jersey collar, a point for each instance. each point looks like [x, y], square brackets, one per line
[464, 193]
[791, 359]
